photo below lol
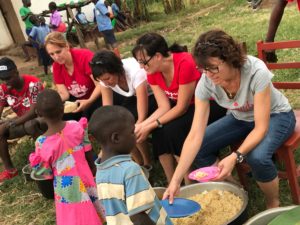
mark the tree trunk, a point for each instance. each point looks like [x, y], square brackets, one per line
[140, 11]
[193, 2]
[167, 6]
[177, 5]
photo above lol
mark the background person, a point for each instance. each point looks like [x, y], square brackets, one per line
[275, 19]
[124, 83]
[102, 16]
[259, 115]
[37, 36]
[72, 75]
[172, 75]
[81, 17]
[25, 13]
[56, 23]
[19, 92]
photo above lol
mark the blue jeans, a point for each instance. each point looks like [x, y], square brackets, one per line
[229, 130]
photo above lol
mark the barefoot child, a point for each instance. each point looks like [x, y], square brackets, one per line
[126, 194]
[62, 152]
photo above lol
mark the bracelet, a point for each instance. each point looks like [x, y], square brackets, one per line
[159, 125]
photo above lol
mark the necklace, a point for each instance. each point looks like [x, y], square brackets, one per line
[229, 94]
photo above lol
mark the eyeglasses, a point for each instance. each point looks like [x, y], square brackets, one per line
[213, 69]
[145, 63]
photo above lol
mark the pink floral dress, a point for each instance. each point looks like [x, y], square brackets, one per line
[62, 156]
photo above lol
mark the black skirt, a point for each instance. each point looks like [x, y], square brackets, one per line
[170, 138]
[130, 103]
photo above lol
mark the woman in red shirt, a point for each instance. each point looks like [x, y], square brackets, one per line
[72, 75]
[172, 75]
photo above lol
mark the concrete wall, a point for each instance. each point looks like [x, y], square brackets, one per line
[6, 39]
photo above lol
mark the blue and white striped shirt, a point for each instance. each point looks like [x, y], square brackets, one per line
[125, 191]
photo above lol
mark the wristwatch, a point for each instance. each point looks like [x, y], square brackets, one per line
[159, 125]
[240, 157]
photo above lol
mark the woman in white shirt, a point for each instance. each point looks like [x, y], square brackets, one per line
[124, 83]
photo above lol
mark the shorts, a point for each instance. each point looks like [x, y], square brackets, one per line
[45, 57]
[28, 30]
[109, 37]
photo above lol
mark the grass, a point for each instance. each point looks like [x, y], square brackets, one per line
[21, 203]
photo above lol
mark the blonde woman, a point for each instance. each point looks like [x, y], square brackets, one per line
[72, 75]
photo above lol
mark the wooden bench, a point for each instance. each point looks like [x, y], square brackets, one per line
[285, 154]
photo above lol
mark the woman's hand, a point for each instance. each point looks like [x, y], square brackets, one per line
[171, 191]
[82, 105]
[142, 132]
[226, 166]
[138, 127]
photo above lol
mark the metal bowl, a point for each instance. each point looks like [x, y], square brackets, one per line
[45, 185]
[268, 215]
[159, 191]
[194, 189]
[26, 170]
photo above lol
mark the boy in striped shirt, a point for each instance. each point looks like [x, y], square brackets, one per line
[124, 191]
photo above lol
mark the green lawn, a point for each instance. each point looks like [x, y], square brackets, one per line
[21, 203]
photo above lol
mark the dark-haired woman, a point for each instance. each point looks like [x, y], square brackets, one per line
[259, 114]
[172, 75]
[124, 83]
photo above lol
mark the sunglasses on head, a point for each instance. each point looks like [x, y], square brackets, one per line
[96, 63]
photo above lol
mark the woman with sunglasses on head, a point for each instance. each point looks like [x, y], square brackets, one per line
[124, 83]
[172, 75]
[72, 76]
[259, 115]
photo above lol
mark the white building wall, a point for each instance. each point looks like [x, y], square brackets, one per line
[6, 39]
[38, 6]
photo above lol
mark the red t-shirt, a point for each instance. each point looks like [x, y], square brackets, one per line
[185, 71]
[298, 1]
[79, 84]
[20, 101]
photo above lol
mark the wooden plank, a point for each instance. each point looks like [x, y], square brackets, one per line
[287, 85]
[285, 65]
[280, 45]
[78, 31]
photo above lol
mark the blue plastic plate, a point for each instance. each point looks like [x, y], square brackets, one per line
[181, 207]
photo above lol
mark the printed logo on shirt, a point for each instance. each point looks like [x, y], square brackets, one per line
[172, 95]
[11, 100]
[26, 102]
[77, 90]
[245, 108]
[34, 88]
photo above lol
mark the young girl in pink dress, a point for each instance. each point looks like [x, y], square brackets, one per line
[62, 152]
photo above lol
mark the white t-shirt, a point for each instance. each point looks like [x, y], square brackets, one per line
[255, 77]
[134, 77]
